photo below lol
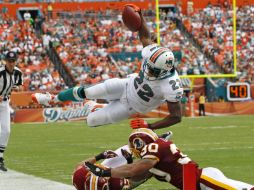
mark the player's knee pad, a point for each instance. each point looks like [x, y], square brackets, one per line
[115, 86]
[97, 118]
[96, 92]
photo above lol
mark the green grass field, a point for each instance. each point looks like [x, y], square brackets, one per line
[52, 150]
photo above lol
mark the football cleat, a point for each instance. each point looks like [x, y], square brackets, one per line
[2, 167]
[46, 99]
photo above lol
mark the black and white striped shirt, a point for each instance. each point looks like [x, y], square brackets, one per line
[9, 80]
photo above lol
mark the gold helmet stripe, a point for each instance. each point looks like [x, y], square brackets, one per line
[151, 157]
[146, 131]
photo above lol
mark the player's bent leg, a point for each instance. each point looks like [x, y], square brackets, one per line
[114, 112]
[118, 160]
[111, 89]
[213, 178]
[75, 94]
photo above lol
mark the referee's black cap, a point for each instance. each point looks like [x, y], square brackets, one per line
[11, 56]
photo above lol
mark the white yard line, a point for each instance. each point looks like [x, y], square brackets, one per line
[13, 180]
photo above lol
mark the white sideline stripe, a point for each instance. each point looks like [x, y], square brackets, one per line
[12, 180]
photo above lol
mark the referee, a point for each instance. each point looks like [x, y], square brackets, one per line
[10, 77]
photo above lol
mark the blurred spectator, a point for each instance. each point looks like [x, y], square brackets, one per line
[184, 102]
[201, 105]
[50, 11]
[27, 16]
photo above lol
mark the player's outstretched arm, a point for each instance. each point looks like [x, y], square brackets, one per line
[144, 33]
[103, 155]
[125, 171]
[173, 118]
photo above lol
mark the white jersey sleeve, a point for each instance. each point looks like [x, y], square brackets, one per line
[118, 160]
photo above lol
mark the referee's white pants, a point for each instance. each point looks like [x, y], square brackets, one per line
[118, 108]
[5, 123]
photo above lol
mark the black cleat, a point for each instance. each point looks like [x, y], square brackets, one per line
[2, 167]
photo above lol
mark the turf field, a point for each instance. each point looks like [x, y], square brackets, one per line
[52, 150]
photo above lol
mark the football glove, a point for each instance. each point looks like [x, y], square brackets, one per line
[105, 155]
[96, 170]
[127, 156]
[135, 7]
[138, 123]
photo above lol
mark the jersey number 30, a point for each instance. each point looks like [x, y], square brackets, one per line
[144, 91]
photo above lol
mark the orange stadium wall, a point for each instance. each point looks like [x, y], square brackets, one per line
[58, 7]
[79, 112]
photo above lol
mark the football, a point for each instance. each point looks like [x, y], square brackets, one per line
[131, 17]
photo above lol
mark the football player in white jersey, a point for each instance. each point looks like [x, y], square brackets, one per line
[156, 83]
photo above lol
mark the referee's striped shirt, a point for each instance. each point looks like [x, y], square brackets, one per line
[9, 80]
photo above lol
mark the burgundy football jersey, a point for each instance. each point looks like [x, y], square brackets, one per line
[170, 162]
[118, 184]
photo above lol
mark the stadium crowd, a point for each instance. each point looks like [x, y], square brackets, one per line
[94, 41]
[20, 37]
[92, 49]
[212, 28]
[85, 47]
[245, 44]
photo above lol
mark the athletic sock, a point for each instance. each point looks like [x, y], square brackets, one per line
[2, 149]
[75, 94]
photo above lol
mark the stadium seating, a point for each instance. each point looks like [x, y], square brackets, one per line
[212, 28]
[39, 73]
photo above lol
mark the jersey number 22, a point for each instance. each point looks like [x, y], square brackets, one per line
[144, 91]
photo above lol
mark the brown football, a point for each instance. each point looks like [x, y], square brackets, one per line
[131, 18]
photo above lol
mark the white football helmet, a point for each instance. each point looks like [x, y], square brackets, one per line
[159, 64]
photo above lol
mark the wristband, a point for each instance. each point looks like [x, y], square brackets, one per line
[99, 156]
[106, 173]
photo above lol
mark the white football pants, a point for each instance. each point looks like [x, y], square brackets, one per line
[118, 108]
[118, 160]
[5, 124]
[214, 179]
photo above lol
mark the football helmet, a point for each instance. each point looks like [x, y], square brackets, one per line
[139, 138]
[159, 64]
[94, 182]
[83, 179]
[79, 177]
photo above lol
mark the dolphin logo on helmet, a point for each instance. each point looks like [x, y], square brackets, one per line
[159, 64]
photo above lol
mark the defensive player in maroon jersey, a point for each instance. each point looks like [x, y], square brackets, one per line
[163, 160]
[83, 179]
